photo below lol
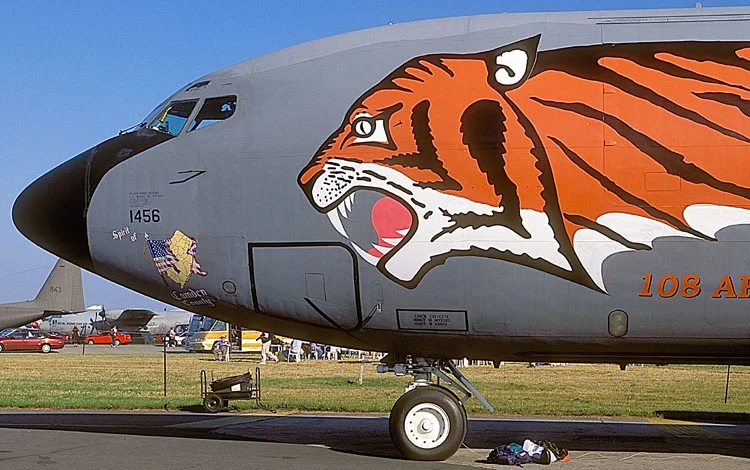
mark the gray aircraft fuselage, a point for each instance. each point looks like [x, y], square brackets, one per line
[527, 187]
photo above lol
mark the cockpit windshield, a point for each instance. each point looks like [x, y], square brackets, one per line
[152, 114]
[213, 111]
[173, 117]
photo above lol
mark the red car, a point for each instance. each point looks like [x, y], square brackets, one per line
[30, 340]
[56, 334]
[105, 337]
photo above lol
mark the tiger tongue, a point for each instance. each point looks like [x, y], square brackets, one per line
[391, 221]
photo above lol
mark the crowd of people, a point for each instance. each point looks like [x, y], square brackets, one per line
[274, 349]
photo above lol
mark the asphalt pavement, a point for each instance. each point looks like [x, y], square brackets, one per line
[187, 439]
[191, 439]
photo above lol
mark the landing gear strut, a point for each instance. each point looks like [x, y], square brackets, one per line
[429, 421]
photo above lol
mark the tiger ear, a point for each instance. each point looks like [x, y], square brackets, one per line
[509, 66]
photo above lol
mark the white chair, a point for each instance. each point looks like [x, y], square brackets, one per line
[295, 351]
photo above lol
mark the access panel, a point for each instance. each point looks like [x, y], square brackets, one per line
[315, 283]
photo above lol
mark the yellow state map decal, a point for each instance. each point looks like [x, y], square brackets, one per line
[175, 257]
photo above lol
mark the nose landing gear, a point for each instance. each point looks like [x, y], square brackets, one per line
[429, 421]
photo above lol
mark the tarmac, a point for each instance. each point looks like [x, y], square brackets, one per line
[192, 439]
[189, 439]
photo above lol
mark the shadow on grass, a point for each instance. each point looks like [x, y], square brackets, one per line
[368, 435]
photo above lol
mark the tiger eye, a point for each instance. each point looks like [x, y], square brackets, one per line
[363, 127]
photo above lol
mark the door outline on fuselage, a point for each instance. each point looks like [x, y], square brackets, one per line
[355, 280]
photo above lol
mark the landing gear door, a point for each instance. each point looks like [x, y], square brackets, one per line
[314, 283]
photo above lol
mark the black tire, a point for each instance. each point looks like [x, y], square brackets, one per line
[213, 403]
[428, 423]
[452, 396]
[91, 341]
[46, 348]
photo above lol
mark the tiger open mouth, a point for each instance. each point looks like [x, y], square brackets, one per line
[376, 224]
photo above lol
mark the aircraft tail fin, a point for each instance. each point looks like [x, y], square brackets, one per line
[63, 289]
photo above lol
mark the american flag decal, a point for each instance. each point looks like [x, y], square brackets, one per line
[195, 268]
[161, 252]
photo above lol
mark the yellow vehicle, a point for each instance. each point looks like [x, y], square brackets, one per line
[210, 331]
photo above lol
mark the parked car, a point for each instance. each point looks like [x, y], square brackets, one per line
[62, 336]
[179, 338]
[105, 337]
[30, 340]
[7, 331]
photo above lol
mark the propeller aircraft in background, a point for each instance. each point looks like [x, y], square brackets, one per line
[61, 293]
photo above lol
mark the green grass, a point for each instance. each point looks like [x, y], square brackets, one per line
[58, 381]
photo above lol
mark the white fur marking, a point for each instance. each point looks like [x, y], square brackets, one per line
[592, 249]
[407, 259]
[709, 219]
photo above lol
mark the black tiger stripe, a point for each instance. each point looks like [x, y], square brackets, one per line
[624, 195]
[476, 221]
[633, 88]
[399, 187]
[374, 175]
[729, 99]
[606, 231]
[437, 61]
[400, 73]
[552, 204]
[418, 64]
[582, 62]
[483, 133]
[671, 161]
[426, 157]
[651, 61]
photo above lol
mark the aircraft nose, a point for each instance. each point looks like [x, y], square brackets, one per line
[51, 212]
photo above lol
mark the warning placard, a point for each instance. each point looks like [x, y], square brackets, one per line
[440, 320]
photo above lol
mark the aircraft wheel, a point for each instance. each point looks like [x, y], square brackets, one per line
[428, 423]
[213, 403]
[91, 341]
[46, 348]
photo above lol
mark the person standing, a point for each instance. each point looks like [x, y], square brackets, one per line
[75, 337]
[265, 347]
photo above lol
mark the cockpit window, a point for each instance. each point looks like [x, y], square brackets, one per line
[213, 111]
[173, 118]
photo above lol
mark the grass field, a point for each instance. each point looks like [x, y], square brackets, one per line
[58, 381]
